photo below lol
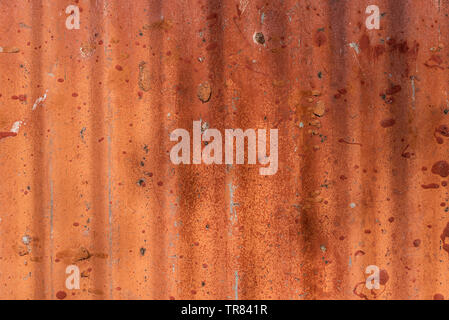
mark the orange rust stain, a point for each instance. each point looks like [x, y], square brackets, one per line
[87, 180]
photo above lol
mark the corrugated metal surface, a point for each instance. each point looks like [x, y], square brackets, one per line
[87, 179]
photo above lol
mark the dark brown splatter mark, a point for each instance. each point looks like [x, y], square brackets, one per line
[61, 295]
[438, 296]
[443, 130]
[383, 277]
[387, 123]
[430, 186]
[405, 154]
[7, 134]
[441, 168]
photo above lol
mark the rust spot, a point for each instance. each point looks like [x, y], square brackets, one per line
[204, 92]
[444, 235]
[73, 255]
[443, 130]
[259, 38]
[434, 62]
[319, 38]
[341, 140]
[88, 49]
[212, 46]
[159, 25]
[113, 189]
[394, 89]
[359, 253]
[319, 109]
[97, 292]
[144, 76]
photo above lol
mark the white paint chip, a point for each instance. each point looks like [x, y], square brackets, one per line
[16, 126]
[40, 100]
[355, 46]
[26, 240]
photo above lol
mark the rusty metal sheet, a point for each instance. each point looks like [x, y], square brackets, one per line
[87, 182]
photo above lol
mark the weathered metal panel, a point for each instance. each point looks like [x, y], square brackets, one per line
[85, 122]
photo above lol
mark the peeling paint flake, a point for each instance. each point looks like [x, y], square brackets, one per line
[40, 100]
